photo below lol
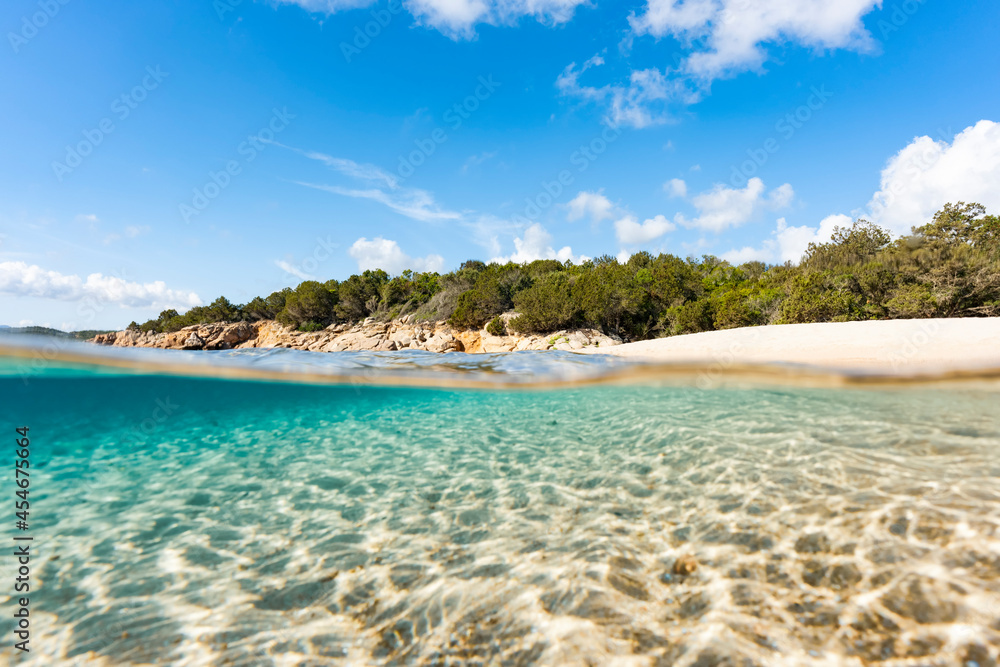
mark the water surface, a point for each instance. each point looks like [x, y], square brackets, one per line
[184, 519]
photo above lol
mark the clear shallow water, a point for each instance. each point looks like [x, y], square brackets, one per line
[197, 521]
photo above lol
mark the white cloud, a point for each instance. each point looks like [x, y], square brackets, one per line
[288, 267]
[411, 202]
[629, 231]
[646, 100]
[719, 38]
[365, 172]
[328, 6]
[724, 207]
[459, 18]
[88, 217]
[789, 244]
[21, 279]
[380, 253]
[924, 176]
[750, 254]
[590, 204]
[537, 244]
[793, 241]
[731, 36]
[676, 187]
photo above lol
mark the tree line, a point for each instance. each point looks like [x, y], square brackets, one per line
[949, 267]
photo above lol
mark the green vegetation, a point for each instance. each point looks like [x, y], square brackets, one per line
[496, 327]
[947, 268]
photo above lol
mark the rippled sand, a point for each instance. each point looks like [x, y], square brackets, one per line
[265, 524]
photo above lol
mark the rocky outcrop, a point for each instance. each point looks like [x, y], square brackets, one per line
[370, 335]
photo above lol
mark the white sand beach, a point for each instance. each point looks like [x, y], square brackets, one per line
[894, 346]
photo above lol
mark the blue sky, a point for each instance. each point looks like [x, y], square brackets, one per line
[159, 154]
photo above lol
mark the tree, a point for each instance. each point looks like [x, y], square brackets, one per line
[310, 304]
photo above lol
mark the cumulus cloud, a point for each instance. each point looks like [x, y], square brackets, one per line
[459, 18]
[593, 205]
[731, 36]
[676, 187]
[788, 244]
[21, 279]
[724, 207]
[720, 38]
[927, 174]
[536, 243]
[630, 231]
[381, 253]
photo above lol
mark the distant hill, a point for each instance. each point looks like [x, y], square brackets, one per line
[45, 331]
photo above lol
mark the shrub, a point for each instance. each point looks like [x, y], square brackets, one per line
[544, 306]
[496, 327]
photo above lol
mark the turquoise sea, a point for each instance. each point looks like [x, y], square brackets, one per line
[290, 508]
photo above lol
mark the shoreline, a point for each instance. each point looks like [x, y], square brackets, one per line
[896, 346]
[893, 346]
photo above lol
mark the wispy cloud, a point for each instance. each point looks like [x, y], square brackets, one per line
[365, 172]
[411, 202]
[385, 189]
[458, 18]
[293, 270]
[649, 97]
